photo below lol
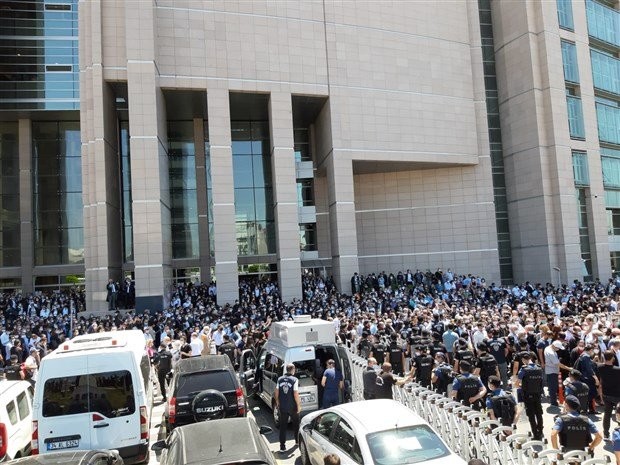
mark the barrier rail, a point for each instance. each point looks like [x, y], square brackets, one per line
[471, 434]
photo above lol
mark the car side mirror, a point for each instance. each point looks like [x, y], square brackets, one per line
[159, 446]
[265, 429]
[308, 428]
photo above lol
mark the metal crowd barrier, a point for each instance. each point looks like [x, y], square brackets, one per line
[471, 434]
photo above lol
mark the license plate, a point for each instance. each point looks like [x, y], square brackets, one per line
[68, 444]
[307, 399]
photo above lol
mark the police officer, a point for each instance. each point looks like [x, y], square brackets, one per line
[575, 430]
[586, 365]
[501, 405]
[365, 346]
[575, 387]
[378, 351]
[486, 366]
[468, 388]
[12, 371]
[530, 380]
[463, 354]
[229, 348]
[442, 374]
[332, 383]
[499, 350]
[397, 356]
[423, 367]
[164, 365]
[609, 376]
[369, 377]
[288, 403]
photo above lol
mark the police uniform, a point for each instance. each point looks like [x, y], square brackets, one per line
[575, 430]
[424, 369]
[466, 386]
[287, 385]
[531, 377]
[444, 377]
[164, 365]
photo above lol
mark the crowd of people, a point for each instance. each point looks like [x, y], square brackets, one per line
[483, 342]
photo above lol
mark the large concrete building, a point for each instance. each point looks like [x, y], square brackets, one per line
[214, 139]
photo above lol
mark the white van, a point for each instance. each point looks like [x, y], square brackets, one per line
[308, 344]
[95, 392]
[15, 419]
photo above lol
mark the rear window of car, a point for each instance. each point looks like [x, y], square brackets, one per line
[109, 393]
[413, 444]
[193, 383]
[11, 412]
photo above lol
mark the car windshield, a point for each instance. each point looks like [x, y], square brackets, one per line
[412, 444]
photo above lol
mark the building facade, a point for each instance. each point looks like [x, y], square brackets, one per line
[216, 140]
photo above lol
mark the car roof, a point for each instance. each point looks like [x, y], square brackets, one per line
[238, 438]
[203, 363]
[378, 415]
[6, 385]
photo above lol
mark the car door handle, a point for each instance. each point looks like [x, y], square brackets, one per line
[101, 425]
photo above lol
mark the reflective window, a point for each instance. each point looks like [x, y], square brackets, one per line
[183, 200]
[412, 444]
[603, 22]
[565, 14]
[9, 195]
[584, 233]
[608, 117]
[307, 237]
[11, 412]
[580, 169]
[57, 193]
[305, 192]
[569, 59]
[39, 52]
[110, 393]
[575, 117]
[253, 192]
[127, 213]
[23, 406]
[605, 71]
[209, 190]
[613, 222]
[302, 144]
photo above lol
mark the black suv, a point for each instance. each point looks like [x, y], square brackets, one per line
[203, 388]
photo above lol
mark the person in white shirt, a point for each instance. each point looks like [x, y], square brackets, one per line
[32, 364]
[218, 336]
[197, 345]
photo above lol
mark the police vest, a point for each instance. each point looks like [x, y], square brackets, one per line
[466, 356]
[444, 377]
[396, 359]
[379, 353]
[165, 361]
[286, 396]
[489, 365]
[425, 368]
[12, 373]
[469, 387]
[582, 392]
[532, 381]
[575, 434]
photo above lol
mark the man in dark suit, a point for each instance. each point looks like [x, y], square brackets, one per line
[112, 289]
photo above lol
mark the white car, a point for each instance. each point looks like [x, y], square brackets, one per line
[381, 431]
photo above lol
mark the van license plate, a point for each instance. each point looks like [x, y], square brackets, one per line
[69, 444]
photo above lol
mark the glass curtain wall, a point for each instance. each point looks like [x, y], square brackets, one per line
[9, 195]
[183, 200]
[253, 188]
[57, 193]
[565, 14]
[39, 55]
[495, 142]
[209, 190]
[127, 218]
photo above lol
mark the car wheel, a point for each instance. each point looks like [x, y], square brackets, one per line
[276, 415]
[209, 405]
[303, 451]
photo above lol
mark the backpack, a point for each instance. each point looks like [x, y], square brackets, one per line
[504, 408]
[489, 365]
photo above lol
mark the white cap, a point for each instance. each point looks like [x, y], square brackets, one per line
[558, 345]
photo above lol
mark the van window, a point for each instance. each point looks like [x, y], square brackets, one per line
[307, 372]
[11, 412]
[110, 394]
[193, 383]
[273, 367]
[23, 406]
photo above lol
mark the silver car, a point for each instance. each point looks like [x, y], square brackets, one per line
[382, 432]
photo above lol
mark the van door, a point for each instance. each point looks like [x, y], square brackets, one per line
[345, 363]
[62, 405]
[247, 371]
[116, 395]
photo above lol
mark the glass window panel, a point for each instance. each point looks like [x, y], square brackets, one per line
[184, 206]
[605, 71]
[611, 171]
[608, 118]
[243, 173]
[240, 147]
[240, 130]
[575, 117]
[181, 130]
[580, 168]
[264, 204]
[603, 22]
[261, 171]
[565, 14]
[243, 241]
[74, 251]
[70, 174]
[260, 130]
[569, 59]
[244, 205]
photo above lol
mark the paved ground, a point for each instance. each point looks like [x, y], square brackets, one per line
[262, 415]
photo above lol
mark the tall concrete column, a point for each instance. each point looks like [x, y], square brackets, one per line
[343, 229]
[285, 194]
[100, 165]
[225, 233]
[149, 161]
[202, 203]
[25, 203]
